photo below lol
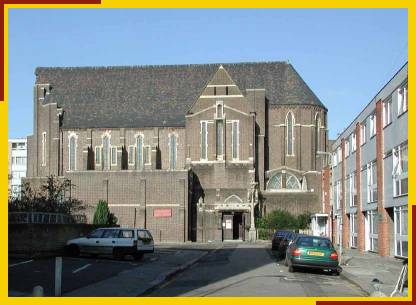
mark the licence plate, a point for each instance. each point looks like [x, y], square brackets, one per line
[314, 253]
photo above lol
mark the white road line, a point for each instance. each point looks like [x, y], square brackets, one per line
[81, 268]
[21, 263]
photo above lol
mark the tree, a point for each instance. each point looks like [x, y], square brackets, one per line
[53, 196]
[103, 216]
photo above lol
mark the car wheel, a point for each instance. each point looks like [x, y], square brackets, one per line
[73, 250]
[291, 269]
[138, 256]
[118, 254]
[335, 272]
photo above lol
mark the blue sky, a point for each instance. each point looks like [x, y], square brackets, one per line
[345, 56]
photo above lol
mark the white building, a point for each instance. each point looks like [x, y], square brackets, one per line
[17, 149]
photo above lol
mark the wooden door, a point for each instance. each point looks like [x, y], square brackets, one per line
[227, 226]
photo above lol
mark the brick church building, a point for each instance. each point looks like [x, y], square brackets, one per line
[188, 151]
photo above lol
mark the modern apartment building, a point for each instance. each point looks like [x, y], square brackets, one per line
[369, 179]
[17, 160]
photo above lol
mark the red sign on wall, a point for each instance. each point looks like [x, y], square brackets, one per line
[162, 213]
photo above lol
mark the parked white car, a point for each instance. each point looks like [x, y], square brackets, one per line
[117, 242]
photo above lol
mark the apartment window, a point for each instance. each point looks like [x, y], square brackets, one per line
[131, 155]
[289, 133]
[43, 148]
[352, 190]
[353, 142]
[371, 182]
[113, 155]
[353, 230]
[400, 231]
[106, 152]
[172, 151]
[215, 90]
[362, 134]
[235, 139]
[373, 127]
[146, 155]
[220, 139]
[97, 155]
[72, 153]
[339, 154]
[386, 112]
[337, 195]
[19, 160]
[400, 171]
[372, 229]
[226, 90]
[139, 151]
[334, 159]
[204, 140]
[347, 148]
[402, 99]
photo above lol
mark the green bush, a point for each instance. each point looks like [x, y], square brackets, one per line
[282, 219]
[103, 216]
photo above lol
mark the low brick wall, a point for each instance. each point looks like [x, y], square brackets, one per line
[34, 240]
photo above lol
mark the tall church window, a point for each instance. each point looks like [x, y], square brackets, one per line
[72, 152]
[97, 155]
[139, 147]
[317, 133]
[204, 140]
[106, 152]
[220, 139]
[172, 151]
[44, 148]
[235, 139]
[289, 133]
[113, 155]
[131, 155]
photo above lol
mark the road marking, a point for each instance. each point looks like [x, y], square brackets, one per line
[21, 263]
[81, 268]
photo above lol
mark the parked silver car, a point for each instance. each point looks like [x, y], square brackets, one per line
[117, 242]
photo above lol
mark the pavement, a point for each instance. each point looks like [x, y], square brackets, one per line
[361, 268]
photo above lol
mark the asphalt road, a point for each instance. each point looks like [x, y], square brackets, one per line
[252, 270]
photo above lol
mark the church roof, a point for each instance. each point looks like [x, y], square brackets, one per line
[150, 96]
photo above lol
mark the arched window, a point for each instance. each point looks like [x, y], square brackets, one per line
[290, 136]
[275, 182]
[172, 151]
[106, 152]
[317, 132]
[72, 152]
[292, 183]
[283, 182]
[139, 147]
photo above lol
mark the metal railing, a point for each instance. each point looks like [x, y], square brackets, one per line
[45, 218]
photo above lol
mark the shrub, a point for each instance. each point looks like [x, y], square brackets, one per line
[103, 216]
[282, 219]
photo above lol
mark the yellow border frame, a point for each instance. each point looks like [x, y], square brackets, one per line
[411, 5]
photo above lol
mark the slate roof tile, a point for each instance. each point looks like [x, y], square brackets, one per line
[150, 96]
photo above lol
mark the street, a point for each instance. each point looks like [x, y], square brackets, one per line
[218, 269]
[252, 270]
